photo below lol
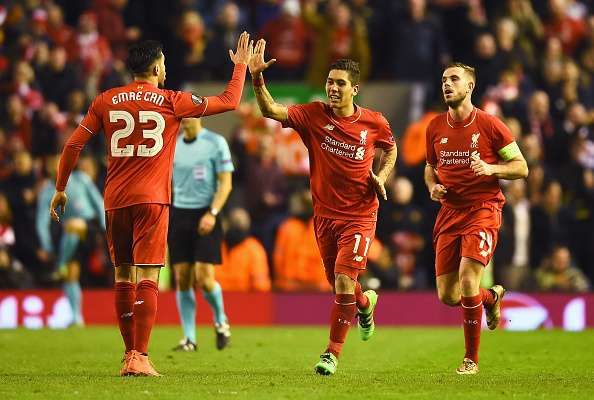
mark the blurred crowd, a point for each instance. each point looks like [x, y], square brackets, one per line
[535, 69]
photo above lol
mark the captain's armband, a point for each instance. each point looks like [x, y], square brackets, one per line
[510, 151]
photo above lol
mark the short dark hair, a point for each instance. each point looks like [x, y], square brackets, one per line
[351, 66]
[467, 68]
[142, 55]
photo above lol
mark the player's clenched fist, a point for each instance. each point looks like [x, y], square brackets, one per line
[438, 191]
[479, 167]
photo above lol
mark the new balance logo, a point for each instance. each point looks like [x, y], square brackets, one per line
[358, 258]
[443, 140]
[127, 315]
[471, 321]
[343, 321]
[139, 302]
[329, 127]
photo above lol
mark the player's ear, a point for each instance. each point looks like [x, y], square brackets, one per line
[470, 86]
[355, 90]
[156, 69]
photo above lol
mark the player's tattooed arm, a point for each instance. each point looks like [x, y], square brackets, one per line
[436, 190]
[386, 166]
[257, 65]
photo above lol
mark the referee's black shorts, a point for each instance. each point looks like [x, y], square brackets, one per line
[186, 245]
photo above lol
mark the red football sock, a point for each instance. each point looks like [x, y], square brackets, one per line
[343, 312]
[125, 294]
[487, 297]
[472, 313]
[145, 311]
[362, 300]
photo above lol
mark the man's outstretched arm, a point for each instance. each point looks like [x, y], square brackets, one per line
[268, 107]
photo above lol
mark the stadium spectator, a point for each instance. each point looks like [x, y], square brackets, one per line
[59, 32]
[297, 263]
[265, 193]
[245, 265]
[557, 273]
[529, 29]
[488, 61]
[562, 24]
[402, 227]
[45, 128]
[89, 49]
[20, 189]
[550, 222]
[419, 50]
[339, 34]
[17, 124]
[288, 39]
[187, 50]
[512, 257]
[58, 78]
[111, 25]
[222, 35]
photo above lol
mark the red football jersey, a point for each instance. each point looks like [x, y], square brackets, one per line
[341, 152]
[140, 122]
[450, 145]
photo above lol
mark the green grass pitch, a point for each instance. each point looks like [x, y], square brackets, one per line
[277, 363]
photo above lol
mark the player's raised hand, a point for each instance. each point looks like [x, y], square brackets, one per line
[479, 167]
[59, 200]
[378, 185]
[257, 63]
[244, 51]
[438, 191]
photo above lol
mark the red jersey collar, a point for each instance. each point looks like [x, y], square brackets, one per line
[354, 117]
[464, 123]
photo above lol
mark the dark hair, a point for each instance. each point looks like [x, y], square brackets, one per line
[467, 68]
[351, 66]
[142, 55]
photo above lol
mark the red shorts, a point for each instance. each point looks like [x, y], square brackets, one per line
[469, 232]
[344, 244]
[137, 234]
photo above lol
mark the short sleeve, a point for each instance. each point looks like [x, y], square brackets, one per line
[430, 157]
[301, 116]
[385, 138]
[187, 105]
[503, 140]
[224, 162]
[92, 121]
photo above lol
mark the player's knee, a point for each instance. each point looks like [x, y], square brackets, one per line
[448, 299]
[468, 284]
[344, 284]
[124, 274]
[148, 273]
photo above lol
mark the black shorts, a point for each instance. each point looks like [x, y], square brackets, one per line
[186, 245]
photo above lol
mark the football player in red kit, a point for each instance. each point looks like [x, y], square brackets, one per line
[468, 151]
[140, 122]
[341, 138]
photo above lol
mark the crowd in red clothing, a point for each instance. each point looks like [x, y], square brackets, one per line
[535, 67]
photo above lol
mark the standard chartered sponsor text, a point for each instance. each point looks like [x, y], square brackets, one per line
[456, 157]
[339, 148]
